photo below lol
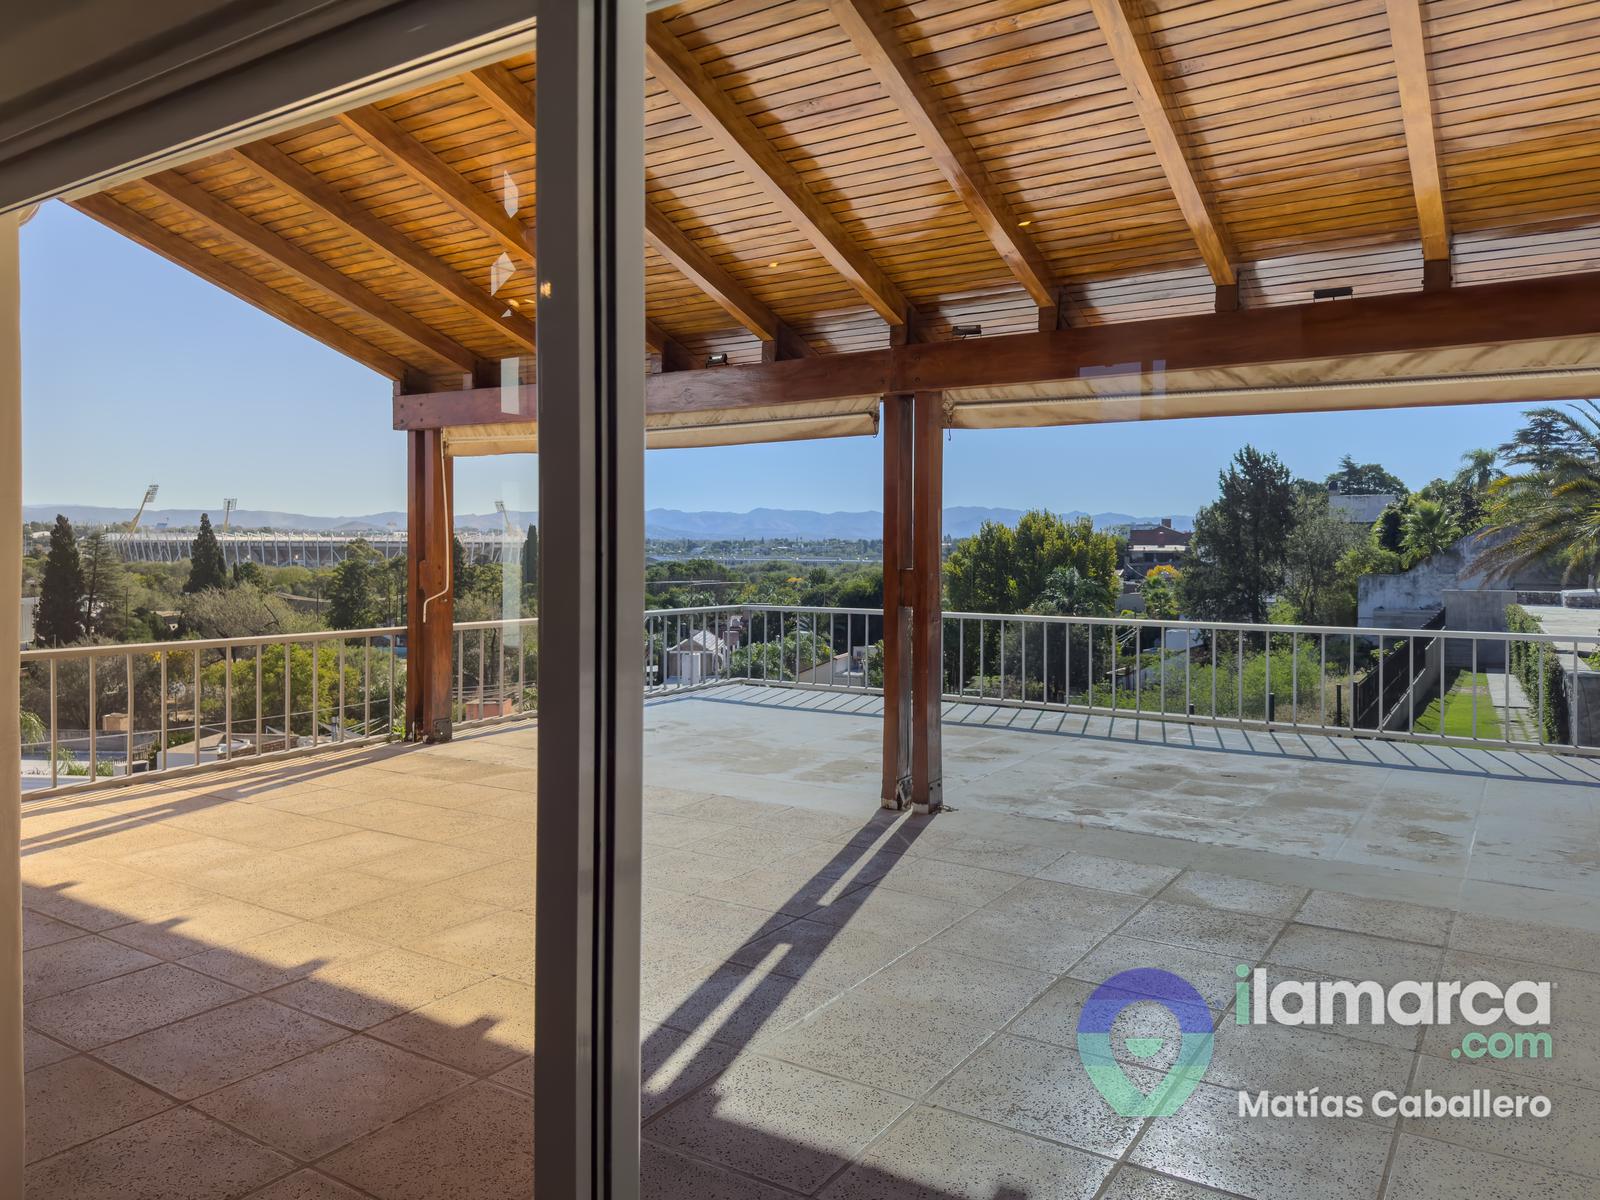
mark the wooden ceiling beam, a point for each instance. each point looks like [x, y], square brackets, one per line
[878, 43]
[695, 265]
[512, 102]
[183, 253]
[258, 239]
[675, 67]
[1142, 76]
[1416, 109]
[425, 167]
[305, 187]
[1491, 314]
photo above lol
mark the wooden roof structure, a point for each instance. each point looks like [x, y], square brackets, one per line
[1050, 210]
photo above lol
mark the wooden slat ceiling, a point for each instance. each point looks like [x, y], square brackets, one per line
[825, 176]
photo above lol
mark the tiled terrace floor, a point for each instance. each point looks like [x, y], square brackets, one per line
[312, 983]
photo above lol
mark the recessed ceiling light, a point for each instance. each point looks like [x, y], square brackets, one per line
[716, 360]
[1025, 223]
[772, 266]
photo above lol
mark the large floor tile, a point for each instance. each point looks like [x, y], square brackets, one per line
[1037, 1089]
[177, 1155]
[958, 984]
[1234, 935]
[479, 1029]
[62, 966]
[285, 954]
[1355, 956]
[361, 992]
[324, 1100]
[473, 1144]
[213, 1049]
[906, 1050]
[76, 1099]
[1110, 874]
[127, 1005]
[1384, 918]
[935, 1153]
[1264, 1158]
[779, 1122]
[673, 1064]
[1255, 897]
[667, 1175]
[1425, 1169]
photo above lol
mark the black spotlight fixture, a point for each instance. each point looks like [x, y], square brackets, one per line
[965, 331]
[716, 360]
[1333, 293]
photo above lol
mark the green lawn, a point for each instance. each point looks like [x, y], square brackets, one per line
[1457, 710]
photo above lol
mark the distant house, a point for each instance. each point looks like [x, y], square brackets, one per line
[1359, 510]
[1156, 546]
[700, 656]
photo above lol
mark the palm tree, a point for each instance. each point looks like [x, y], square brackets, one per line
[1426, 529]
[1068, 592]
[1551, 514]
[1478, 470]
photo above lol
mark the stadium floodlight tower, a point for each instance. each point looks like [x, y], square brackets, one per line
[511, 526]
[149, 495]
[228, 505]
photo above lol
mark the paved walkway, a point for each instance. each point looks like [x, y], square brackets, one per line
[312, 982]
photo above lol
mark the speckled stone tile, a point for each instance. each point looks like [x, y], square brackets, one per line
[1235, 893]
[40, 1051]
[273, 959]
[1264, 1158]
[1526, 941]
[1424, 1169]
[1002, 933]
[1383, 918]
[821, 953]
[1212, 975]
[39, 930]
[359, 993]
[779, 1122]
[905, 1050]
[940, 880]
[673, 1064]
[213, 1049]
[76, 1099]
[176, 1155]
[1233, 935]
[118, 1008]
[1563, 1141]
[1110, 874]
[1354, 955]
[324, 1100]
[734, 1004]
[1135, 1183]
[1285, 1058]
[931, 1152]
[1041, 1090]
[62, 966]
[666, 1175]
[479, 1029]
[473, 1144]
[308, 1185]
[958, 984]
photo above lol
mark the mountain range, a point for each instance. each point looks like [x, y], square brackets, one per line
[662, 523]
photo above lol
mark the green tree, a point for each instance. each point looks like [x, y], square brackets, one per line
[207, 568]
[1236, 558]
[1389, 528]
[1364, 479]
[1068, 592]
[530, 558]
[1550, 513]
[1429, 529]
[1317, 544]
[1547, 438]
[104, 587]
[1161, 594]
[980, 572]
[58, 621]
[248, 572]
[353, 595]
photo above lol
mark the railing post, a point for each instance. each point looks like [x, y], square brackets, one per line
[898, 457]
[927, 638]
[430, 607]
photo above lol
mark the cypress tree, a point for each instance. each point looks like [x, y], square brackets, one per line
[58, 621]
[207, 569]
[530, 557]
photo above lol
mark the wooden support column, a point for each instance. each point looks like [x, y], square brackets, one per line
[927, 621]
[913, 487]
[898, 593]
[430, 601]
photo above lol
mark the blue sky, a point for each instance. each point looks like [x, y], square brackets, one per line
[135, 371]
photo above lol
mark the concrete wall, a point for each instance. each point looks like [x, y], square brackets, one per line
[1583, 700]
[1390, 601]
[1423, 687]
[1484, 611]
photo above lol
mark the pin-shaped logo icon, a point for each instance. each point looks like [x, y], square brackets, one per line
[1100, 1012]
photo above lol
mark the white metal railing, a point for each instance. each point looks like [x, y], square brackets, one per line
[115, 713]
[1456, 687]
